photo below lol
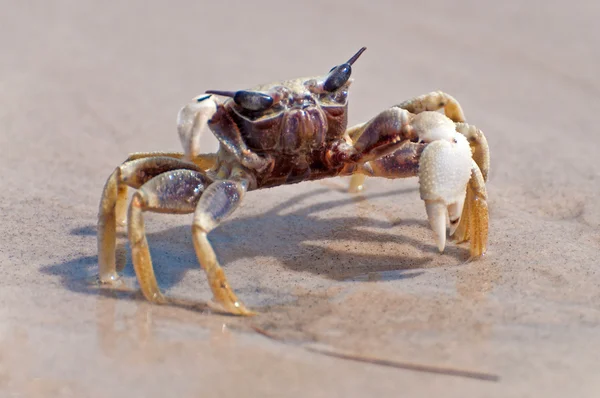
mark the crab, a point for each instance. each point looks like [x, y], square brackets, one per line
[285, 133]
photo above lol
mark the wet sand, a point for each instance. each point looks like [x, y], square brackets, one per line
[83, 85]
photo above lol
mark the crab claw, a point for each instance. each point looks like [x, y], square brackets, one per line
[192, 124]
[444, 172]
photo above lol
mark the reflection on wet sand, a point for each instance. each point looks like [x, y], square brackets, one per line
[147, 333]
[140, 331]
[19, 360]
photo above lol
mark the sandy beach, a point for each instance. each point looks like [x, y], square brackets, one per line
[83, 84]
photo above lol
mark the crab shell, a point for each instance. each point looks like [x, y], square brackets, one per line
[302, 118]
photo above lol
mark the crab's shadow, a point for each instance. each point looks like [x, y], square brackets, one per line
[261, 236]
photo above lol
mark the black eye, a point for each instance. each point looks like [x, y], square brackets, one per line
[338, 76]
[253, 100]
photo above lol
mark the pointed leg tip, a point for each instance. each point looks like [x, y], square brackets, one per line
[111, 279]
[154, 297]
[241, 309]
[356, 183]
[476, 256]
[355, 189]
[236, 308]
[249, 313]
[158, 298]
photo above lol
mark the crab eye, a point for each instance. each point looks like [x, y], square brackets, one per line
[253, 100]
[338, 76]
[250, 100]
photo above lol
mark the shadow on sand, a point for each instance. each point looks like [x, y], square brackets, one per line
[173, 254]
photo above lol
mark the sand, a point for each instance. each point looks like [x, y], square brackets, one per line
[82, 84]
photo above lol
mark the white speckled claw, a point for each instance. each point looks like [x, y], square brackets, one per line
[444, 172]
[192, 123]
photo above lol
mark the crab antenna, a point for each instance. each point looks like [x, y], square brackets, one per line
[355, 56]
[230, 94]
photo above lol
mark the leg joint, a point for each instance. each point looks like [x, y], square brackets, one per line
[138, 200]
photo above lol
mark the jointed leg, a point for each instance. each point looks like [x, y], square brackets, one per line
[143, 155]
[382, 135]
[479, 146]
[218, 202]
[401, 164]
[473, 224]
[358, 179]
[192, 124]
[204, 161]
[113, 205]
[434, 101]
[357, 182]
[175, 192]
[378, 132]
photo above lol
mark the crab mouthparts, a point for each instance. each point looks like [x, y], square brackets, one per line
[302, 126]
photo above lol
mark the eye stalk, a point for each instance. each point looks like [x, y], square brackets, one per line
[250, 100]
[339, 75]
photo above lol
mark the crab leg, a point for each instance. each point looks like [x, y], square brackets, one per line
[218, 202]
[479, 146]
[113, 205]
[382, 135]
[204, 161]
[207, 115]
[434, 101]
[230, 138]
[473, 224]
[403, 163]
[175, 192]
[192, 123]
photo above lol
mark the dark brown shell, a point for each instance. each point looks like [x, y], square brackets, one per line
[297, 132]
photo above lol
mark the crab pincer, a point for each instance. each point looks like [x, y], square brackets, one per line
[446, 169]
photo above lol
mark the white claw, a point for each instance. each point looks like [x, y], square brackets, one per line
[192, 124]
[444, 171]
[436, 213]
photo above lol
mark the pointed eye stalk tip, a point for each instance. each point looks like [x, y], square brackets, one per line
[230, 94]
[355, 56]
